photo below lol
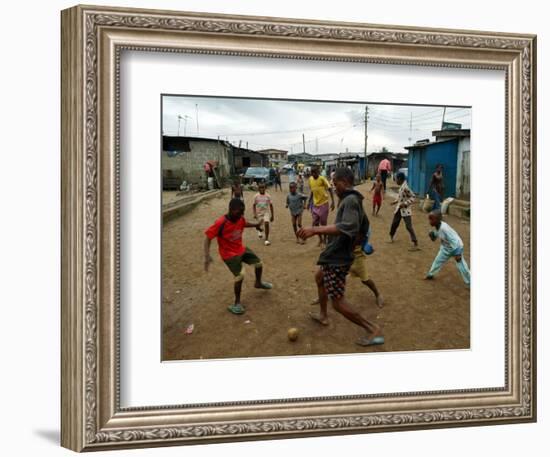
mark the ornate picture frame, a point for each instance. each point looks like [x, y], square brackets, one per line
[92, 41]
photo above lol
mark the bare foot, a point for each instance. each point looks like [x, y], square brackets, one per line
[315, 302]
[317, 318]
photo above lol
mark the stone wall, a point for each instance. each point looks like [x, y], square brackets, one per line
[189, 165]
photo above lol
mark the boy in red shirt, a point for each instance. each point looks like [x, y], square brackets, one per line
[228, 230]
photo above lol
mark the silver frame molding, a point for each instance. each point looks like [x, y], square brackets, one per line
[92, 41]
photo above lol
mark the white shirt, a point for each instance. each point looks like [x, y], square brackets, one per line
[450, 240]
[406, 198]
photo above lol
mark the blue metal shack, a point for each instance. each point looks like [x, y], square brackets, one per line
[425, 156]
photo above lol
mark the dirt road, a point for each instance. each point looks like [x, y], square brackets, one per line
[418, 314]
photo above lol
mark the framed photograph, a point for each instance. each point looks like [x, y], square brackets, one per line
[276, 228]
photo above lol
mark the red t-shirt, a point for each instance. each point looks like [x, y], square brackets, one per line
[230, 243]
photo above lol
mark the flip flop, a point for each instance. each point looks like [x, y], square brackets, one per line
[236, 309]
[264, 285]
[365, 341]
[317, 318]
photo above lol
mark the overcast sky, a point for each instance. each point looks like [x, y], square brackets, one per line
[329, 127]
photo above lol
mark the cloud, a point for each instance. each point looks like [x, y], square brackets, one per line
[327, 126]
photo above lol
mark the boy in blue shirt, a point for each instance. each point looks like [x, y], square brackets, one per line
[296, 203]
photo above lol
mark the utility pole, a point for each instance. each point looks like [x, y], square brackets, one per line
[366, 137]
[197, 117]
[410, 128]
[185, 117]
[304, 142]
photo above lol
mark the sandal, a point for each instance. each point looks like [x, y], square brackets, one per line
[236, 309]
[366, 341]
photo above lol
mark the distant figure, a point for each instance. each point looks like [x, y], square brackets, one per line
[451, 247]
[332, 178]
[350, 227]
[384, 168]
[436, 189]
[209, 171]
[378, 189]
[403, 210]
[318, 201]
[237, 190]
[278, 179]
[228, 230]
[296, 203]
[263, 212]
[291, 175]
[300, 182]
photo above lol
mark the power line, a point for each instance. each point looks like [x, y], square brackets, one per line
[305, 129]
[423, 120]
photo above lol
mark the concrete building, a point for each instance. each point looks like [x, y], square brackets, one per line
[183, 159]
[451, 149]
[329, 160]
[277, 157]
[397, 159]
[305, 158]
[244, 158]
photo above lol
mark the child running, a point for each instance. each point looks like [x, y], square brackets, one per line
[237, 189]
[263, 212]
[351, 225]
[296, 203]
[360, 270]
[451, 246]
[378, 188]
[228, 230]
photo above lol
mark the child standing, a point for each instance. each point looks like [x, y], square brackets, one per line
[228, 230]
[451, 246]
[300, 181]
[296, 203]
[378, 187]
[263, 211]
[318, 201]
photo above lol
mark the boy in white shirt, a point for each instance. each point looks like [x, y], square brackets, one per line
[403, 210]
[451, 246]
